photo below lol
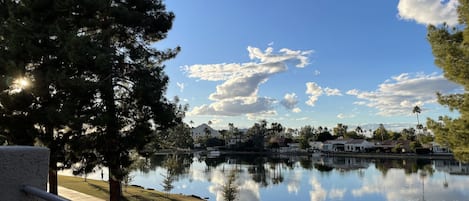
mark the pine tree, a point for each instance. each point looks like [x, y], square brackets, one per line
[450, 46]
[97, 84]
[42, 91]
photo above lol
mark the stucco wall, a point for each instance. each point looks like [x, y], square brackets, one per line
[22, 165]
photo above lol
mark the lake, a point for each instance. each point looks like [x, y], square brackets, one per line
[306, 178]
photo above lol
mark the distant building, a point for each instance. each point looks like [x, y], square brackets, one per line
[439, 149]
[334, 145]
[357, 145]
[316, 145]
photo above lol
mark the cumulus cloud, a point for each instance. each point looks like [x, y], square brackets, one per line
[238, 92]
[398, 95]
[235, 107]
[314, 91]
[332, 92]
[296, 110]
[290, 100]
[429, 11]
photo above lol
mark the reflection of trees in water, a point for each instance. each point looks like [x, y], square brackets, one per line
[323, 168]
[176, 166]
[269, 170]
[168, 182]
[230, 188]
[410, 166]
[277, 173]
[258, 172]
[427, 170]
[306, 163]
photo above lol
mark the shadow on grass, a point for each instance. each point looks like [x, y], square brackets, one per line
[132, 193]
[148, 193]
[99, 188]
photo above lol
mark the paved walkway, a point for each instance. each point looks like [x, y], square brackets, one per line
[75, 195]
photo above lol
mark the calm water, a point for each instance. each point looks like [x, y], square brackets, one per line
[307, 178]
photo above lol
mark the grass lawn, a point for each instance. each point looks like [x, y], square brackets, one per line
[100, 189]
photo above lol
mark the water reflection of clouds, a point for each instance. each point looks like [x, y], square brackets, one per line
[393, 185]
[294, 182]
[248, 189]
[317, 193]
[337, 193]
[398, 186]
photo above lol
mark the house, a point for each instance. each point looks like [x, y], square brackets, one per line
[439, 149]
[316, 145]
[334, 145]
[390, 145]
[358, 145]
[291, 147]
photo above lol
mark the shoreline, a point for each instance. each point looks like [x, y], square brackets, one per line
[391, 155]
[443, 156]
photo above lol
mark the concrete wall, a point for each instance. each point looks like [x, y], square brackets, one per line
[22, 165]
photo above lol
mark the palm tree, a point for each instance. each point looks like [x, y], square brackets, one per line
[359, 130]
[417, 111]
[192, 128]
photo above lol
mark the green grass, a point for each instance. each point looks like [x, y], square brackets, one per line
[100, 189]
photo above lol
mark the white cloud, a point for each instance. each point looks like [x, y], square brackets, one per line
[296, 110]
[290, 101]
[264, 115]
[235, 107]
[332, 92]
[180, 86]
[429, 11]
[314, 91]
[238, 93]
[401, 93]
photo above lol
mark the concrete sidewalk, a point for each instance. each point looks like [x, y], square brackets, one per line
[75, 195]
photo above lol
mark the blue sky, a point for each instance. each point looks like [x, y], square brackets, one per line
[316, 62]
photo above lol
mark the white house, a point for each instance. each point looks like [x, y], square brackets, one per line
[357, 145]
[316, 145]
[439, 149]
[334, 145]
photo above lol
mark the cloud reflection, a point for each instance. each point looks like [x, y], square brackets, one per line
[317, 193]
[398, 186]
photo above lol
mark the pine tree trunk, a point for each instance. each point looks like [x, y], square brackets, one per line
[52, 161]
[115, 188]
[112, 152]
